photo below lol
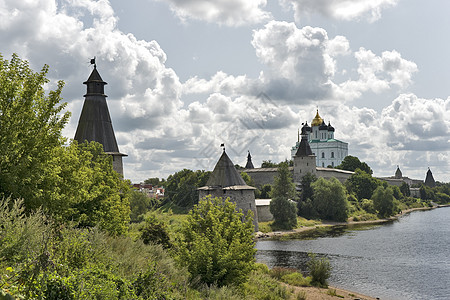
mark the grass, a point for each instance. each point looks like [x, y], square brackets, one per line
[269, 226]
[332, 292]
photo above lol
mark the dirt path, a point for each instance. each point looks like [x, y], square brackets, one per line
[313, 293]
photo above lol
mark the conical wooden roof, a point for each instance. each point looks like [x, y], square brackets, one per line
[225, 174]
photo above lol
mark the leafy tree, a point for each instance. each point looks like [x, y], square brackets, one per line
[330, 199]
[140, 203]
[82, 186]
[383, 201]
[155, 231]
[268, 164]
[265, 191]
[361, 184]
[283, 210]
[351, 163]
[248, 180]
[404, 188]
[426, 193]
[181, 187]
[155, 181]
[30, 129]
[307, 191]
[216, 243]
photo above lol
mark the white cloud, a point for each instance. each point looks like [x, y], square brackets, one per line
[369, 10]
[223, 12]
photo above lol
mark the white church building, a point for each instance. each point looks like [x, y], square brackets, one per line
[328, 150]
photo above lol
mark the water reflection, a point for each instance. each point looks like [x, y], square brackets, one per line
[406, 259]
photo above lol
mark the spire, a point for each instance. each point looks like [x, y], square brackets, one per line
[429, 180]
[249, 164]
[225, 174]
[95, 122]
[398, 173]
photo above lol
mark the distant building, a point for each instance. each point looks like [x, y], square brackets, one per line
[95, 122]
[249, 164]
[225, 181]
[328, 150]
[429, 180]
[149, 190]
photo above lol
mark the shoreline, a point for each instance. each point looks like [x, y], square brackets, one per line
[315, 293]
[262, 235]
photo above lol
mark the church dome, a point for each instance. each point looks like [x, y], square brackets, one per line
[323, 126]
[306, 128]
[330, 128]
[317, 121]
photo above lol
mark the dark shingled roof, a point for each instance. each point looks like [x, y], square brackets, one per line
[304, 149]
[249, 164]
[429, 180]
[95, 122]
[225, 174]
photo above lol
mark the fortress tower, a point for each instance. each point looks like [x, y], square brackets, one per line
[225, 181]
[304, 158]
[95, 122]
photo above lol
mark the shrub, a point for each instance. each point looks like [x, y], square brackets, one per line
[155, 231]
[296, 279]
[319, 269]
[264, 287]
[279, 272]
[216, 243]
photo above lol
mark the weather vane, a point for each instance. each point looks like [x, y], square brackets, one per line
[93, 62]
[223, 146]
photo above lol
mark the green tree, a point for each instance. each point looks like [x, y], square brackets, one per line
[361, 184]
[404, 188]
[155, 181]
[30, 129]
[330, 199]
[155, 231]
[284, 211]
[383, 201]
[268, 164]
[140, 203]
[351, 163]
[304, 205]
[216, 243]
[248, 180]
[181, 187]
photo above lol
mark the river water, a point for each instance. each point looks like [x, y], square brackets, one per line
[406, 259]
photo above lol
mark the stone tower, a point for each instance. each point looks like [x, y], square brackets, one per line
[304, 159]
[398, 173]
[429, 180]
[95, 122]
[225, 181]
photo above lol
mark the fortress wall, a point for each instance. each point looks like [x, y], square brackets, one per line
[261, 176]
[328, 173]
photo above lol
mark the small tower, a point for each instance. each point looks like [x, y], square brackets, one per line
[95, 122]
[398, 173]
[225, 181]
[304, 159]
[429, 180]
[249, 164]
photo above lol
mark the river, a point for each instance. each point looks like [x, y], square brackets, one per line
[406, 259]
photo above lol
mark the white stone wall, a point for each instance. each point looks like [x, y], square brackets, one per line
[329, 153]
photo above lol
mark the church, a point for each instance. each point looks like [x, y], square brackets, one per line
[328, 150]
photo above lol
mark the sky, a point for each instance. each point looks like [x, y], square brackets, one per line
[185, 76]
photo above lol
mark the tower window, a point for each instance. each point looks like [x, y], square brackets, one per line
[323, 165]
[332, 154]
[323, 154]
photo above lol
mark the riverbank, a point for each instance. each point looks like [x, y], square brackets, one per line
[331, 293]
[261, 235]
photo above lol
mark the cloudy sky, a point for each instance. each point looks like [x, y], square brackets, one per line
[185, 76]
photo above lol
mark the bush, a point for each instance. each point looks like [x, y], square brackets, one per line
[155, 231]
[383, 201]
[284, 213]
[279, 272]
[264, 287]
[216, 243]
[319, 269]
[296, 279]
[367, 205]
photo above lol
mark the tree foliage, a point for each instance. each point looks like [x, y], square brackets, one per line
[140, 204]
[216, 243]
[155, 181]
[284, 211]
[330, 199]
[319, 269]
[30, 129]
[361, 184]
[181, 187]
[351, 163]
[404, 188]
[383, 201]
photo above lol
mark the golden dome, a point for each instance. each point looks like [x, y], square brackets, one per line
[317, 121]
